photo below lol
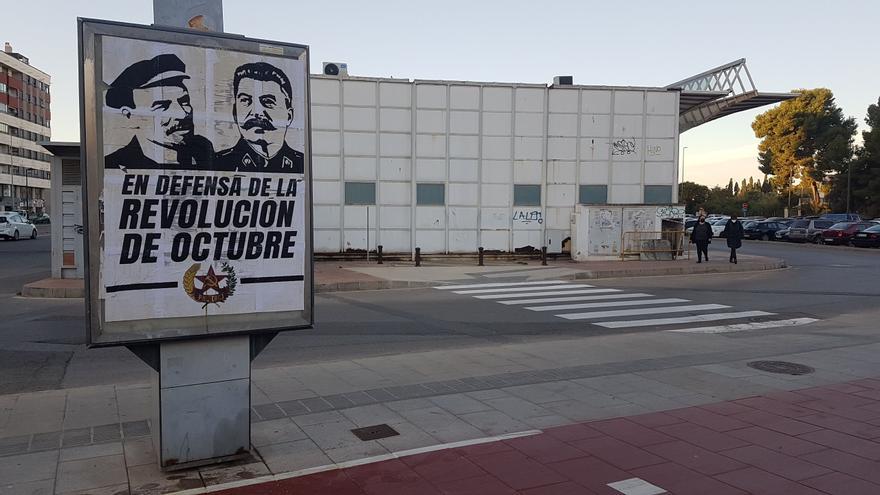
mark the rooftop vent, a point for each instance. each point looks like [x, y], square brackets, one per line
[338, 69]
[7, 48]
[563, 80]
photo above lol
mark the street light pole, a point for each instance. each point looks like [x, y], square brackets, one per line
[848, 187]
[682, 162]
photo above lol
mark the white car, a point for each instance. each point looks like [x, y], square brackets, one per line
[14, 226]
[718, 226]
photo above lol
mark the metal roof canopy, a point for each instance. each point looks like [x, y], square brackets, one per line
[720, 92]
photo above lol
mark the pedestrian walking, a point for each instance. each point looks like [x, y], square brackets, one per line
[734, 233]
[702, 236]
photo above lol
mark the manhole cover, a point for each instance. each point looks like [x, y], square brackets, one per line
[375, 432]
[781, 367]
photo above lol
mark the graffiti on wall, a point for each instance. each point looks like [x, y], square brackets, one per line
[622, 147]
[528, 216]
[670, 212]
[655, 150]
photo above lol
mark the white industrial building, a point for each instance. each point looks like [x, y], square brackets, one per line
[451, 166]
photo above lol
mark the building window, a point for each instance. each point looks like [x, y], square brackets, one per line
[430, 194]
[3, 88]
[4, 128]
[655, 195]
[589, 194]
[360, 193]
[3, 108]
[526, 195]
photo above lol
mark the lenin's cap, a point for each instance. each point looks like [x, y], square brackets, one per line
[161, 70]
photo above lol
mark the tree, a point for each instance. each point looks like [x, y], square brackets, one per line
[766, 187]
[736, 189]
[730, 186]
[807, 137]
[692, 195]
[865, 172]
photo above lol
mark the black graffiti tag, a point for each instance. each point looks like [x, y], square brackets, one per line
[623, 147]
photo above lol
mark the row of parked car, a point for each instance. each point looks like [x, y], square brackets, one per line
[832, 228]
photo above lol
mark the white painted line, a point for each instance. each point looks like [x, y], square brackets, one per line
[547, 293]
[682, 319]
[510, 284]
[357, 462]
[522, 289]
[636, 486]
[739, 327]
[576, 298]
[641, 311]
[607, 304]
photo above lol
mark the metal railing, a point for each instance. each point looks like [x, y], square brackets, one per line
[654, 245]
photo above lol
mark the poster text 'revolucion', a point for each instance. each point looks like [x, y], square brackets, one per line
[192, 209]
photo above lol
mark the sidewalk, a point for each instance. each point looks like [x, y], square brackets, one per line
[465, 403]
[813, 441]
[334, 276]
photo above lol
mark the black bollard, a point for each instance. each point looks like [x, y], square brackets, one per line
[418, 256]
[379, 254]
[480, 258]
[543, 255]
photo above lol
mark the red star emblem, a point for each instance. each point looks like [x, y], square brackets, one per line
[211, 280]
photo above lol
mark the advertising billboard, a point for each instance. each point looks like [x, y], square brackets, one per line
[197, 190]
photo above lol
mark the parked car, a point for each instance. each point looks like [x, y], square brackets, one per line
[807, 230]
[763, 230]
[718, 226]
[869, 237]
[841, 233]
[782, 234]
[40, 219]
[14, 226]
[842, 217]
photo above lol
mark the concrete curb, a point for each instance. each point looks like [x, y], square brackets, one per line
[374, 285]
[34, 290]
[690, 269]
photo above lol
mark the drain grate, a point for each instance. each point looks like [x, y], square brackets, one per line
[375, 432]
[781, 367]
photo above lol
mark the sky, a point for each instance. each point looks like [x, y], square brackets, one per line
[787, 45]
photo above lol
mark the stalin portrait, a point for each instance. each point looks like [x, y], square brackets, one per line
[263, 112]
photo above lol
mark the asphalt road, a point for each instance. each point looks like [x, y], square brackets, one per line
[41, 340]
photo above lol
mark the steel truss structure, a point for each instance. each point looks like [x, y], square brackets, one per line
[719, 92]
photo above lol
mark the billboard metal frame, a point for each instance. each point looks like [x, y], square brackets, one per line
[91, 89]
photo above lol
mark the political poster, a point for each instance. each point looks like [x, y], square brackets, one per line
[197, 193]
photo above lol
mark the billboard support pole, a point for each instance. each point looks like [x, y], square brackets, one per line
[201, 388]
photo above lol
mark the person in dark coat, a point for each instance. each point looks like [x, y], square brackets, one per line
[701, 236]
[734, 233]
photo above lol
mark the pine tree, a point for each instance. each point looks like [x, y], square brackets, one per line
[807, 138]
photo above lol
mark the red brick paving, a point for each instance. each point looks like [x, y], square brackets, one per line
[823, 440]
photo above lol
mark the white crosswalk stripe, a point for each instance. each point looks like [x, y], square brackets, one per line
[739, 327]
[499, 284]
[641, 311]
[576, 298]
[606, 304]
[544, 296]
[683, 319]
[519, 289]
[547, 293]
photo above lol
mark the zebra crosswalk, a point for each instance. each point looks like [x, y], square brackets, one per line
[618, 309]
